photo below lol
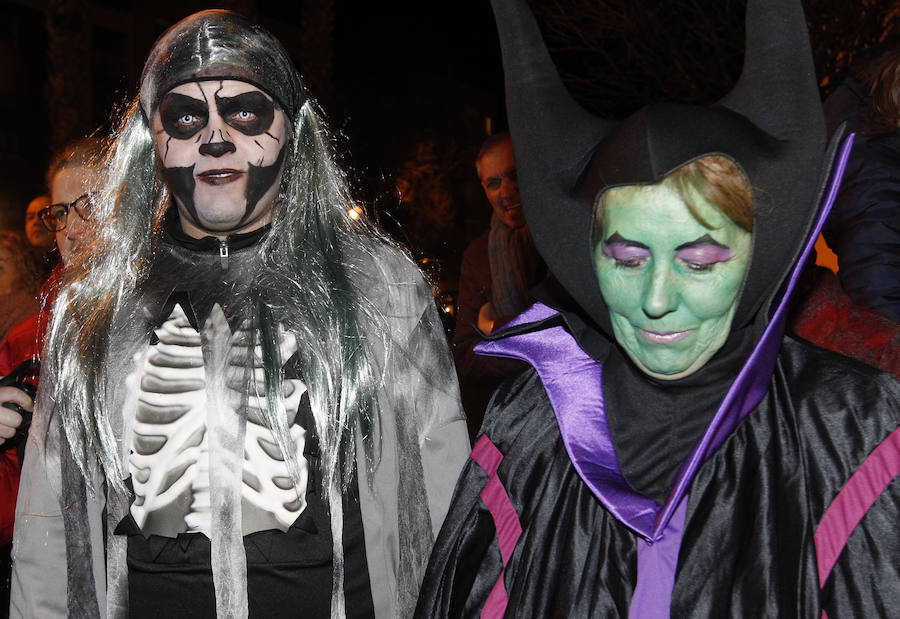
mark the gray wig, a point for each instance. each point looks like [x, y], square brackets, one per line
[306, 285]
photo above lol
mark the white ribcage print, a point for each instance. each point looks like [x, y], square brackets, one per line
[268, 487]
[170, 450]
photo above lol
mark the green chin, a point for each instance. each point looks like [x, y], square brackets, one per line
[677, 359]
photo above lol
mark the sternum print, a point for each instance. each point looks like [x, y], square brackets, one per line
[169, 462]
[170, 459]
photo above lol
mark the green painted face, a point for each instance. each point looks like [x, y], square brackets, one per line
[670, 282]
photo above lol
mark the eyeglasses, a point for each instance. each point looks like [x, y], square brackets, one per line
[56, 216]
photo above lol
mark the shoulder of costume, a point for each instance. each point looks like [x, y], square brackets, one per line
[840, 412]
[839, 383]
[520, 417]
[536, 334]
[391, 282]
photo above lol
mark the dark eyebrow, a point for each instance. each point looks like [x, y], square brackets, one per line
[618, 238]
[250, 97]
[703, 240]
[505, 174]
[184, 99]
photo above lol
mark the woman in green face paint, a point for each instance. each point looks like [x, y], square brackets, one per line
[670, 259]
[671, 450]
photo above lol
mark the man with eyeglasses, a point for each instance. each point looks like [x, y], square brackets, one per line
[66, 219]
[71, 172]
[37, 235]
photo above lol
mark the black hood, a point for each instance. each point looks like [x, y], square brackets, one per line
[770, 125]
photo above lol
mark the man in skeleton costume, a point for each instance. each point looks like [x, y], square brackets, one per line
[671, 452]
[247, 405]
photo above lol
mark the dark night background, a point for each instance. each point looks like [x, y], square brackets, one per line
[410, 88]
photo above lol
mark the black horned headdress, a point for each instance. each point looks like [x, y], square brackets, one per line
[770, 124]
[218, 44]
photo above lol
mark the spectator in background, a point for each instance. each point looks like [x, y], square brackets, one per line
[38, 235]
[499, 269]
[40, 239]
[864, 227]
[822, 313]
[18, 299]
[72, 174]
[72, 171]
[18, 281]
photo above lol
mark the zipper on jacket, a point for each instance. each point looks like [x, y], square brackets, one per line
[223, 253]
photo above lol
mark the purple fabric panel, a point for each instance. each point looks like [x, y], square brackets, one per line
[852, 503]
[506, 520]
[495, 606]
[573, 382]
[486, 455]
[581, 415]
[753, 380]
[657, 562]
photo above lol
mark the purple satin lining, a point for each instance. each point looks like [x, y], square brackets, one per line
[573, 383]
[574, 386]
[657, 563]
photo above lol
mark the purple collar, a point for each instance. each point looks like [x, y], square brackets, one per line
[573, 381]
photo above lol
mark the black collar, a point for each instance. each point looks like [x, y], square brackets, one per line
[173, 234]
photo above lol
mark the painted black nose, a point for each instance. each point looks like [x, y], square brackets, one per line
[217, 149]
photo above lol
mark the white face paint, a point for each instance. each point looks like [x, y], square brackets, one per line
[221, 143]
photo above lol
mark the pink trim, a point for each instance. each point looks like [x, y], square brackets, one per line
[506, 521]
[486, 455]
[496, 604]
[853, 501]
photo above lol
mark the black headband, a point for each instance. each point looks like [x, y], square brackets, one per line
[219, 44]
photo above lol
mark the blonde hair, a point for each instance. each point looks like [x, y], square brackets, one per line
[718, 180]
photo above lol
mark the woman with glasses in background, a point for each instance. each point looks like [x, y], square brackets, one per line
[71, 174]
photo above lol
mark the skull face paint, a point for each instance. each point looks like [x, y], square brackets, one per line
[671, 283]
[222, 145]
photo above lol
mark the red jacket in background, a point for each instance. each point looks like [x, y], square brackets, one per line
[23, 342]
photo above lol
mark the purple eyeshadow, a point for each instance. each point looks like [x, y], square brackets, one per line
[704, 254]
[624, 251]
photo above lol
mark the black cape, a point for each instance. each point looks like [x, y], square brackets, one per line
[748, 548]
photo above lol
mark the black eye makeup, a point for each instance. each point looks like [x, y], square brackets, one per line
[182, 116]
[251, 113]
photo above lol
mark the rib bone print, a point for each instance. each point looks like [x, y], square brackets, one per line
[170, 450]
